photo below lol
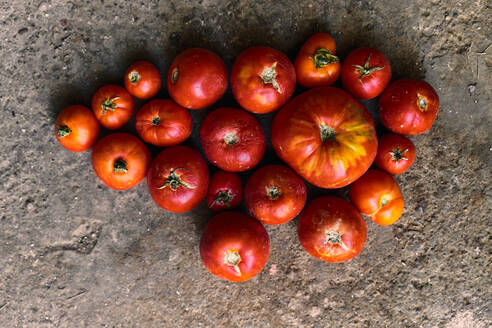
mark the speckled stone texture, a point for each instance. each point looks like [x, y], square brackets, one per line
[76, 254]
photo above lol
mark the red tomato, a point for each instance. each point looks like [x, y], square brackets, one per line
[234, 246]
[377, 195]
[275, 194]
[332, 230]
[120, 160]
[163, 123]
[262, 79]
[395, 153]
[232, 139]
[316, 64]
[113, 106]
[326, 136]
[365, 73]
[143, 80]
[197, 78]
[408, 106]
[178, 179]
[225, 191]
[76, 128]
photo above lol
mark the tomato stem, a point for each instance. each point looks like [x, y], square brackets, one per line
[422, 102]
[63, 131]
[134, 77]
[397, 154]
[224, 197]
[273, 192]
[156, 120]
[323, 57]
[327, 132]
[232, 258]
[109, 104]
[366, 70]
[384, 201]
[174, 181]
[269, 75]
[335, 238]
[120, 165]
[174, 75]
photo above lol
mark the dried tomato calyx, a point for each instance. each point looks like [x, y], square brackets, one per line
[231, 138]
[322, 57]
[269, 75]
[109, 104]
[327, 132]
[120, 165]
[232, 258]
[156, 120]
[333, 237]
[134, 77]
[224, 197]
[63, 131]
[273, 192]
[398, 154]
[174, 75]
[174, 181]
[366, 70]
[422, 102]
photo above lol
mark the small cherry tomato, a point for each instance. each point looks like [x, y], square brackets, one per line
[113, 106]
[76, 128]
[395, 153]
[225, 191]
[143, 80]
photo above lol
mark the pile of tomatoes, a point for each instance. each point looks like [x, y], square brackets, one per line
[324, 135]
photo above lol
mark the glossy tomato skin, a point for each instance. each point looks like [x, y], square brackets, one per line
[76, 128]
[377, 195]
[316, 64]
[262, 79]
[275, 194]
[120, 160]
[395, 153]
[197, 78]
[365, 73]
[234, 246]
[113, 106]
[163, 123]
[326, 136]
[178, 179]
[408, 106]
[232, 139]
[143, 80]
[225, 191]
[331, 229]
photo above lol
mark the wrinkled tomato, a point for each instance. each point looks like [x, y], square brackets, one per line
[225, 191]
[113, 106]
[143, 80]
[76, 128]
[395, 153]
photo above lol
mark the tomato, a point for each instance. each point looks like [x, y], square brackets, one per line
[225, 191]
[143, 80]
[326, 136]
[395, 153]
[234, 246]
[161, 122]
[197, 78]
[331, 229]
[232, 139]
[316, 64]
[275, 194]
[113, 106]
[178, 179]
[262, 79]
[120, 160]
[365, 73]
[377, 195]
[408, 106]
[76, 128]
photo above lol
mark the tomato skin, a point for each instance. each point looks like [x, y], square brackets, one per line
[113, 148]
[395, 153]
[232, 139]
[178, 179]
[371, 85]
[252, 91]
[225, 191]
[377, 195]
[307, 72]
[143, 80]
[163, 123]
[113, 106]
[350, 141]
[275, 194]
[76, 128]
[332, 218]
[408, 107]
[197, 78]
[234, 232]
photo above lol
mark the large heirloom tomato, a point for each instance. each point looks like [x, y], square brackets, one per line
[225, 191]
[234, 246]
[331, 229]
[395, 153]
[113, 106]
[178, 179]
[326, 136]
[76, 128]
[143, 80]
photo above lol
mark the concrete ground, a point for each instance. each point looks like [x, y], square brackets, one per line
[75, 254]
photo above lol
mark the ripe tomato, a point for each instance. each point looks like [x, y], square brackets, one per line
[331, 229]
[163, 123]
[377, 195]
[395, 153]
[197, 78]
[232, 139]
[262, 79]
[113, 106]
[76, 128]
[120, 160]
[143, 80]
[326, 136]
[408, 106]
[234, 246]
[225, 191]
[365, 73]
[275, 194]
[316, 64]
[178, 179]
